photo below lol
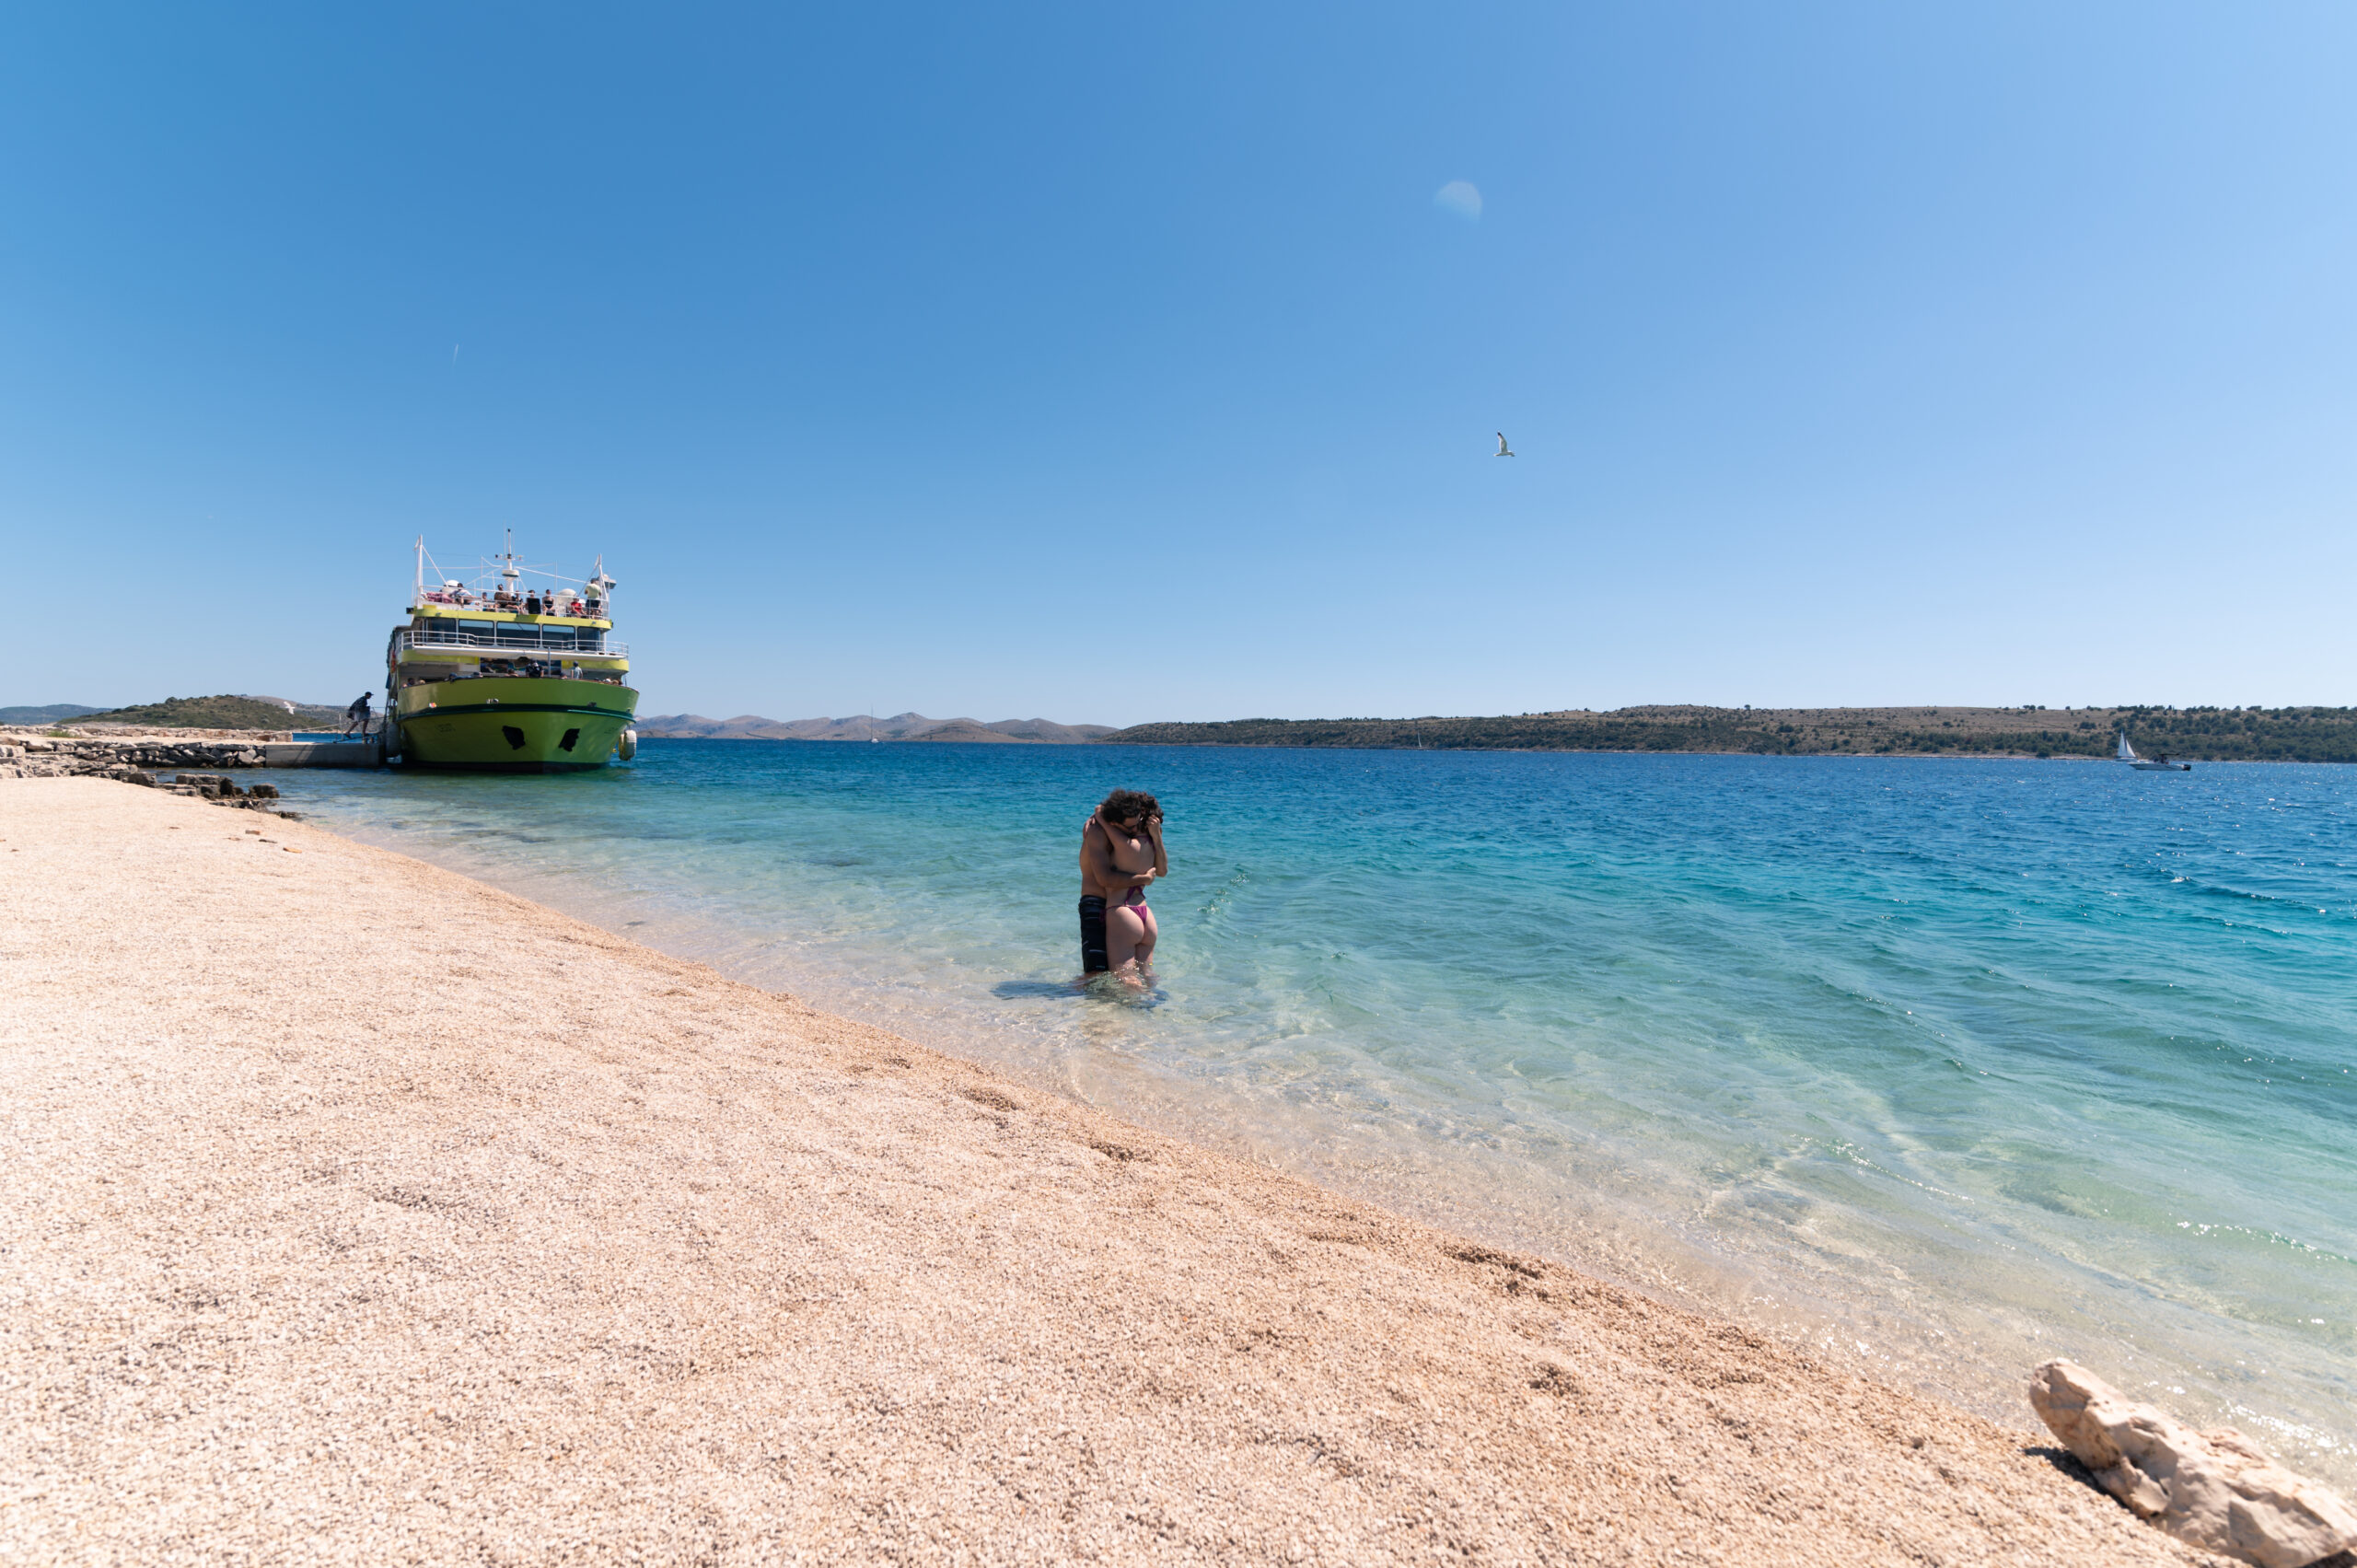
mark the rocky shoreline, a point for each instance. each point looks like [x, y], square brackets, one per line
[138, 760]
[39, 756]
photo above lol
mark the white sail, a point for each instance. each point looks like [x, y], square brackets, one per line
[2127, 752]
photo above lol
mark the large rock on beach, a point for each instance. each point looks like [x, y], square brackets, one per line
[2212, 1489]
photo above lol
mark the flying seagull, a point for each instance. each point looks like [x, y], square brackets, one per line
[1503, 450]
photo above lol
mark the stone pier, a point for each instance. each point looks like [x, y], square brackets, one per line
[34, 755]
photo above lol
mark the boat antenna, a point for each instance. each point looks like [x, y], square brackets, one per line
[599, 581]
[509, 573]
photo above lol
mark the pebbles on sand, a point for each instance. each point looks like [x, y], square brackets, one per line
[358, 1212]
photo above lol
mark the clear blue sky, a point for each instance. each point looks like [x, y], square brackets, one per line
[1119, 362]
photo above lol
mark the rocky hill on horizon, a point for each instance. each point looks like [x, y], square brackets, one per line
[52, 713]
[2284, 735]
[223, 712]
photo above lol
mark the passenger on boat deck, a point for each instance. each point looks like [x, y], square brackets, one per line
[532, 604]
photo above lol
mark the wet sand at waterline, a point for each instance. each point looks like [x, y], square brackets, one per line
[357, 1211]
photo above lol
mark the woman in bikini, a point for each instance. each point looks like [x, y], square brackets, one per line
[1120, 852]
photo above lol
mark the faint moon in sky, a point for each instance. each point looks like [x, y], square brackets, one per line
[1458, 196]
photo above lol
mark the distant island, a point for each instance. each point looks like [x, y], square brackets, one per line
[2274, 735]
[2194, 735]
[903, 726]
[189, 712]
[55, 713]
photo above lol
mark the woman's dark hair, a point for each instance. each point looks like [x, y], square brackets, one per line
[1124, 805]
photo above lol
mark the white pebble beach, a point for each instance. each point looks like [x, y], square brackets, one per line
[355, 1211]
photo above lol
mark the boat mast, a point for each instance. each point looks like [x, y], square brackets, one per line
[417, 594]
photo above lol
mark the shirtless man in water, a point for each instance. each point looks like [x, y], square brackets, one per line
[1120, 852]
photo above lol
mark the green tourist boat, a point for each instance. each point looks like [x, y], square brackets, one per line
[510, 675]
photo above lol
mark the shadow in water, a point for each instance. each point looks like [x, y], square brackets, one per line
[1016, 990]
[1098, 987]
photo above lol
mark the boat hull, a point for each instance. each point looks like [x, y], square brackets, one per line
[512, 723]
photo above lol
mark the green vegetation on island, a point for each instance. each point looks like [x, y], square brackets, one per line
[2271, 734]
[219, 712]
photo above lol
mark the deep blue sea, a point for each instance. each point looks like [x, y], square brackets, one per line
[1944, 1066]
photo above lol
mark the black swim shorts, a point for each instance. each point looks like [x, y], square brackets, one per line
[1093, 958]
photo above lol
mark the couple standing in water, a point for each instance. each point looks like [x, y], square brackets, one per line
[1120, 852]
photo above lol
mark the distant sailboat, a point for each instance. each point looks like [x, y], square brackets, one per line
[2156, 763]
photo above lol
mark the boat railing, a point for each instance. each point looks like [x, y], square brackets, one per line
[505, 637]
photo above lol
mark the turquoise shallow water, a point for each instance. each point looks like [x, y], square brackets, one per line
[1941, 1065]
